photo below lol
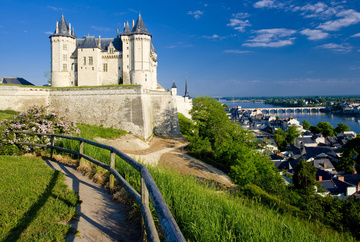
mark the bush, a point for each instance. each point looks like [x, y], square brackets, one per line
[37, 120]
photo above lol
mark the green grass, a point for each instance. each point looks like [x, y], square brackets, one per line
[92, 131]
[203, 214]
[35, 202]
[7, 114]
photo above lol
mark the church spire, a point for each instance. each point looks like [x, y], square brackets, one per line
[186, 89]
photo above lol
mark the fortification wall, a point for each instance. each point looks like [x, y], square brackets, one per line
[129, 108]
[19, 98]
[164, 109]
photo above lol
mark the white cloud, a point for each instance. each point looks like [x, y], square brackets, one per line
[241, 15]
[197, 14]
[239, 24]
[271, 38]
[355, 35]
[314, 34]
[346, 18]
[214, 36]
[56, 8]
[336, 47]
[237, 51]
[49, 32]
[104, 29]
[265, 4]
[318, 10]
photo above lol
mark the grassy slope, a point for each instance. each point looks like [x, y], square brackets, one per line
[7, 114]
[205, 215]
[35, 202]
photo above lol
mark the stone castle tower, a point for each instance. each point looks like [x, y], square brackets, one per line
[129, 58]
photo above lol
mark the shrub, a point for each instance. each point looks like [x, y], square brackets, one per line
[37, 120]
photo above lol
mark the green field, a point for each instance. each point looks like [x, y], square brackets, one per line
[35, 202]
[7, 114]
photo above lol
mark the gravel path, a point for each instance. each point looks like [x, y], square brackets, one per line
[100, 217]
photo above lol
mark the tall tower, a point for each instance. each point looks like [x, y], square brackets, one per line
[125, 39]
[63, 43]
[140, 59]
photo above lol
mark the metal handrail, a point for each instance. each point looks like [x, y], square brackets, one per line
[148, 186]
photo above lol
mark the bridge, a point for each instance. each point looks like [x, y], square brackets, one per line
[286, 110]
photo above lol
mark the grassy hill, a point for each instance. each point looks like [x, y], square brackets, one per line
[35, 202]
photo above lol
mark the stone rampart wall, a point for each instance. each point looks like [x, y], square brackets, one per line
[125, 107]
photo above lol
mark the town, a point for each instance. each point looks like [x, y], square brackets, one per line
[323, 152]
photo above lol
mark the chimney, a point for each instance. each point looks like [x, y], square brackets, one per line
[325, 165]
[99, 41]
[133, 23]
[57, 27]
[117, 32]
[320, 178]
[358, 188]
[340, 178]
[69, 28]
[124, 25]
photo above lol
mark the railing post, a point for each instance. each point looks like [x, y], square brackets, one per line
[144, 202]
[112, 166]
[52, 146]
[81, 150]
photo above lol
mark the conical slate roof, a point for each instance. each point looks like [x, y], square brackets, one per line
[173, 85]
[139, 27]
[127, 30]
[63, 28]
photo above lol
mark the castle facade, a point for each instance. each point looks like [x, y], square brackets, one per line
[129, 58]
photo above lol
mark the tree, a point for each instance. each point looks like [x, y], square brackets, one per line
[47, 75]
[350, 158]
[315, 130]
[341, 128]
[306, 125]
[277, 118]
[304, 177]
[280, 138]
[291, 134]
[326, 129]
[226, 106]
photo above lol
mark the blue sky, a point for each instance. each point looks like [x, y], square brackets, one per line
[225, 48]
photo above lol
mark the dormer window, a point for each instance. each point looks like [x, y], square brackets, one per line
[111, 50]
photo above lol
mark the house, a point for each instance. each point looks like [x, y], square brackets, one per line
[15, 80]
[338, 187]
[308, 141]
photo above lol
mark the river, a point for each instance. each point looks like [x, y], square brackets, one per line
[312, 118]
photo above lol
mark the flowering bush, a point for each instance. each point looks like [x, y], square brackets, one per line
[36, 120]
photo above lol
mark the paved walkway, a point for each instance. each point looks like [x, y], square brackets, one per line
[100, 218]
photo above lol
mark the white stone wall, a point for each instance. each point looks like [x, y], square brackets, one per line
[89, 74]
[125, 107]
[184, 105]
[19, 98]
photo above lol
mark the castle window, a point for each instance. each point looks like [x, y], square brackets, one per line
[64, 57]
[111, 50]
[64, 67]
[84, 60]
[93, 68]
[64, 47]
[105, 67]
[128, 67]
[90, 60]
[75, 67]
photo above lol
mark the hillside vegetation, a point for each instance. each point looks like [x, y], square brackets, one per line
[205, 214]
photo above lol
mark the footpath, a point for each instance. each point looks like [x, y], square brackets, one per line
[100, 218]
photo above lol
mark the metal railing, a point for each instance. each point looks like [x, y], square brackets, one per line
[148, 186]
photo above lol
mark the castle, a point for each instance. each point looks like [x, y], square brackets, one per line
[129, 58]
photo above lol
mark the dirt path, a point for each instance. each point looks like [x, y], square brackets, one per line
[169, 152]
[100, 218]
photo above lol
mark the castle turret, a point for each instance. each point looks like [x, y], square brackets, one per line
[140, 56]
[63, 43]
[173, 89]
[125, 39]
